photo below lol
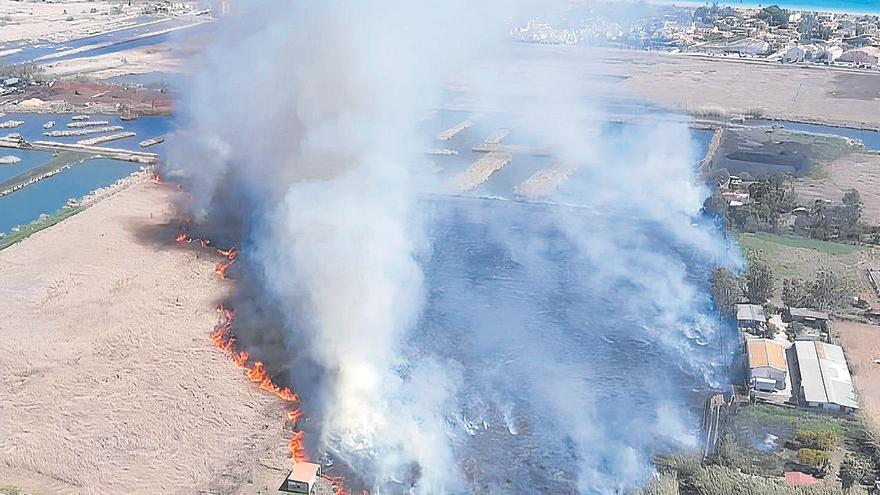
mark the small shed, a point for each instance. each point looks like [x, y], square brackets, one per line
[12, 81]
[301, 479]
[808, 317]
[750, 317]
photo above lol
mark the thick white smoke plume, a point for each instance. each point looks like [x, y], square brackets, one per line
[305, 115]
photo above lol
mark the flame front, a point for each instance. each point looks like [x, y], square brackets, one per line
[224, 340]
[221, 268]
[230, 254]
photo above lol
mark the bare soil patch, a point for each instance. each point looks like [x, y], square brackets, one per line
[862, 345]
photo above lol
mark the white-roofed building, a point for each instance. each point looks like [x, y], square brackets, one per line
[302, 479]
[867, 55]
[825, 381]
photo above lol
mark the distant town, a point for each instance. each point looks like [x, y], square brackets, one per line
[771, 33]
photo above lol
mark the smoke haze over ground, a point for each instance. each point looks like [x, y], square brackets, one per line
[455, 344]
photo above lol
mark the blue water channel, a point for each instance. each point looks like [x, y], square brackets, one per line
[49, 195]
[31, 51]
[870, 138]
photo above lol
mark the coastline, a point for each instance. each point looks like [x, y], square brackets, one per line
[796, 6]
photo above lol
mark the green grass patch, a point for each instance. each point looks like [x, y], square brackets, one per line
[27, 230]
[10, 490]
[831, 248]
[795, 419]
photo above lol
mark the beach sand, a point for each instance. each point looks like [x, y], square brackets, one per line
[109, 382]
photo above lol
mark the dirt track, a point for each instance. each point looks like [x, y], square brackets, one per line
[108, 380]
[862, 345]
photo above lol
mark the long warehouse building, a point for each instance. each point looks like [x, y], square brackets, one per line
[826, 382]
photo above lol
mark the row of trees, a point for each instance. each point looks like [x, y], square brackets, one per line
[26, 72]
[754, 285]
[827, 291]
[771, 199]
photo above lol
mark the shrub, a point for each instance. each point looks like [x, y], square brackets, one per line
[815, 459]
[816, 440]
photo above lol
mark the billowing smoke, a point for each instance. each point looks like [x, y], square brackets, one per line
[454, 344]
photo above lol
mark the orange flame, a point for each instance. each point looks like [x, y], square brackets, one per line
[155, 179]
[221, 268]
[183, 237]
[294, 416]
[297, 451]
[338, 485]
[232, 253]
[224, 341]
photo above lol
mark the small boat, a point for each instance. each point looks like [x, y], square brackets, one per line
[151, 142]
[49, 125]
[80, 117]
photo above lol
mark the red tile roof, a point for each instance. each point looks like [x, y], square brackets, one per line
[799, 478]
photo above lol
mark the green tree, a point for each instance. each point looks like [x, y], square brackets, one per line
[854, 470]
[852, 197]
[795, 292]
[725, 290]
[829, 291]
[757, 281]
[774, 16]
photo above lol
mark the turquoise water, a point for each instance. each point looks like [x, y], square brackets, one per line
[855, 6]
[49, 195]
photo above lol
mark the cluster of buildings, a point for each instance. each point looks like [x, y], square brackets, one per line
[810, 372]
[784, 36]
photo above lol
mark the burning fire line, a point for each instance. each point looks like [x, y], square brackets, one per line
[224, 340]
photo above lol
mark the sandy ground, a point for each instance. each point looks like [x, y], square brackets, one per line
[35, 20]
[108, 380]
[856, 170]
[862, 345]
[159, 58]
